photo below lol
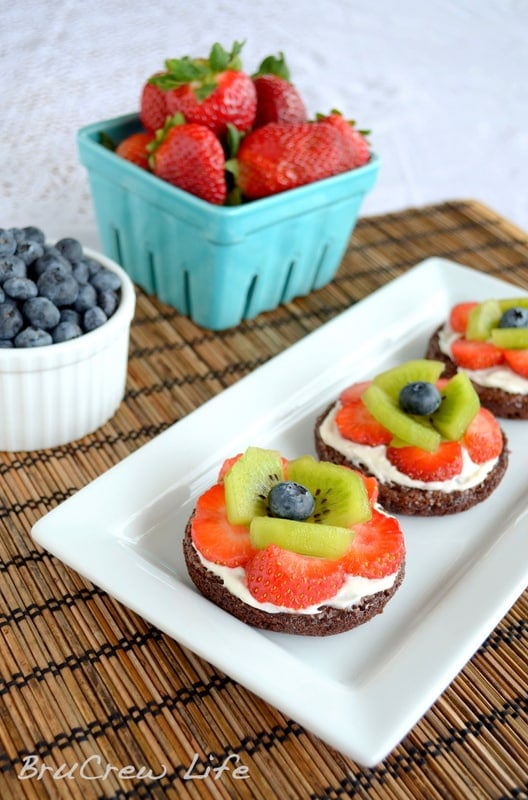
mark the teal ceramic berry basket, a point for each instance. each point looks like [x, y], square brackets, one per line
[218, 265]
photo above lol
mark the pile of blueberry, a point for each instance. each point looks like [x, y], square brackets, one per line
[50, 293]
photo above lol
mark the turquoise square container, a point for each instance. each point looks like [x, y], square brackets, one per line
[218, 265]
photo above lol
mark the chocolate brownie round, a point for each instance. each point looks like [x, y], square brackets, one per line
[507, 405]
[328, 621]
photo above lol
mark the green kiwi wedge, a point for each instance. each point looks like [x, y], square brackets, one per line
[513, 302]
[340, 495]
[482, 319]
[510, 338]
[460, 404]
[306, 538]
[393, 380]
[412, 430]
[248, 482]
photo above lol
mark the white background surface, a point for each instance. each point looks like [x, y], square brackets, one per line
[442, 84]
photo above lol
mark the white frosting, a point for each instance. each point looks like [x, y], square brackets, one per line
[377, 463]
[499, 377]
[354, 589]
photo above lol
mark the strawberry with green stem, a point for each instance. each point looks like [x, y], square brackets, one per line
[278, 100]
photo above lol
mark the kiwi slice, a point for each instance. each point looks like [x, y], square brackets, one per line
[248, 482]
[339, 493]
[393, 380]
[412, 430]
[306, 538]
[460, 404]
[482, 319]
[513, 302]
[510, 338]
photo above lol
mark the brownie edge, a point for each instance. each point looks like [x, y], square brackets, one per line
[327, 622]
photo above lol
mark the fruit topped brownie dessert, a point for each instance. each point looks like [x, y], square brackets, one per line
[428, 441]
[295, 546]
[489, 341]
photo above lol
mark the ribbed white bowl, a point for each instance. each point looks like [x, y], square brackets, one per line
[55, 394]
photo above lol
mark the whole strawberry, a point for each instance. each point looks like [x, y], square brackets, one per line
[214, 91]
[134, 148]
[153, 105]
[190, 156]
[353, 138]
[281, 156]
[277, 98]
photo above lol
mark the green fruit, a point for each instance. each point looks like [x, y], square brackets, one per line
[510, 338]
[306, 538]
[393, 380]
[340, 495]
[412, 430]
[514, 302]
[482, 319]
[460, 404]
[248, 482]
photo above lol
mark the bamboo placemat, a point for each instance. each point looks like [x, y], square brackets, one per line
[87, 687]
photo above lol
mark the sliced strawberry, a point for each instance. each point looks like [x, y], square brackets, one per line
[372, 487]
[353, 392]
[278, 576]
[444, 463]
[458, 318]
[517, 360]
[378, 547]
[472, 354]
[483, 438]
[215, 537]
[355, 422]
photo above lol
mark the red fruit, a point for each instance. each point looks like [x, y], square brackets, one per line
[226, 466]
[444, 463]
[472, 354]
[354, 140]
[214, 536]
[483, 438]
[212, 91]
[134, 148]
[372, 487]
[191, 157]
[458, 317]
[281, 156]
[279, 576]
[277, 101]
[378, 547]
[353, 392]
[355, 422]
[517, 360]
[153, 105]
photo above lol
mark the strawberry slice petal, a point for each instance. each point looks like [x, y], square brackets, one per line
[517, 360]
[355, 422]
[378, 547]
[472, 354]
[483, 438]
[442, 464]
[458, 318]
[214, 536]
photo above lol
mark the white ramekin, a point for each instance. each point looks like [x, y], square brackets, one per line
[55, 394]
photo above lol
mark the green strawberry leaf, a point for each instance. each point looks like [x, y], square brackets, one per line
[273, 65]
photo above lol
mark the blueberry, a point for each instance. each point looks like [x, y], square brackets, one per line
[33, 234]
[105, 279]
[11, 320]
[86, 298]
[70, 315]
[80, 272]
[8, 243]
[51, 260]
[2, 295]
[514, 318]
[93, 318]
[11, 267]
[65, 331]
[70, 248]
[41, 313]
[20, 288]
[92, 265]
[29, 251]
[33, 337]
[108, 301]
[420, 397]
[59, 288]
[290, 500]
[6, 344]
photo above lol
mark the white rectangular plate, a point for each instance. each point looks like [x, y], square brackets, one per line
[363, 690]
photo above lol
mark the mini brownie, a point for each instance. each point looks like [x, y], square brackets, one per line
[294, 546]
[365, 429]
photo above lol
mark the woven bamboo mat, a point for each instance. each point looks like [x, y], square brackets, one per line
[87, 687]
